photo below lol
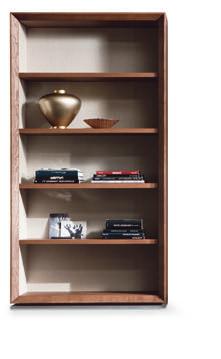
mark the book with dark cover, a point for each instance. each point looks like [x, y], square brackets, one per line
[124, 223]
[56, 181]
[41, 173]
[123, 235]
[125, 230]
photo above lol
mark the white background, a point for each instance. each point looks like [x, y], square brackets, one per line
[190, 326]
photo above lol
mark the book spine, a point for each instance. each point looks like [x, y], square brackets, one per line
[56, 181]
[123, 236]
[118, 181]
[117, 172]
[46, 178]
[41, 173]
[112, 178]
[120, 231]
[124, 224]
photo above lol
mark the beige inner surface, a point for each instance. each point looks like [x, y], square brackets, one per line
[89, 154]
[91, 268]
[133, 103]
[92, 206]
[90, 49]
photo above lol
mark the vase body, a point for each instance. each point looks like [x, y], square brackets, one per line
[59, 108]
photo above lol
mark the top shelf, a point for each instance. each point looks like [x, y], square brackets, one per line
[86, 76]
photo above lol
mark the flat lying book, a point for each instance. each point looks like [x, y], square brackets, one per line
[57, 181]
[124, 224]
[118, 172]
[123, 236]
[118, 181]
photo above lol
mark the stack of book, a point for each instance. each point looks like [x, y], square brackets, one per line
[124, 229]
[58, 175]
[118, 177]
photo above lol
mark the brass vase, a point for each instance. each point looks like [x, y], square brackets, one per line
[59, 108]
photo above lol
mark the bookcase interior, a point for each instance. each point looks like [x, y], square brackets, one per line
[88, 49]
[54, 45]
[95, 153]
[133, 103]
[36, 205]
[89, 268]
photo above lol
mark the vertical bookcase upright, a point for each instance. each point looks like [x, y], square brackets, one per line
[117, 64]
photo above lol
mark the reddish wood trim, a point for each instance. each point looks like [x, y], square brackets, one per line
[87, 19]
[87, 297]
[87, 241]
[87, 131]
[88, 186]
[86, 76]
[14, 89]
[163, 161]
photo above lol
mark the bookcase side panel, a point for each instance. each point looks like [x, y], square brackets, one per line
[14, 43]
[163, 195]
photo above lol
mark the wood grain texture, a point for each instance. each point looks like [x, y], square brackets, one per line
[87, 242]
[87, 131]
[163, 161]
[77, 186]
[86, 76]
[87, 298]
[159, 295]
[14, 109]
[87, 19]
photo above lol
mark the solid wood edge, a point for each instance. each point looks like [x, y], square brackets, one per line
[102, 16]
[91, 131]
[14, 103]
[88, 186]
[87, 298]
[86, 75]
[163, 138]
[88, 241]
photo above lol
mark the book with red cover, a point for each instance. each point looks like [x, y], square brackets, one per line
[118, 172]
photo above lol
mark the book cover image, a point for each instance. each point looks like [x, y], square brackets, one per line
[74, 229]
[55, 221]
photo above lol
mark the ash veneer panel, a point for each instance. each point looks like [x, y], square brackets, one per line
[102, 242]
[14, 37]
[86, 76]
[152, 276]
[88, 298]
[87, 131]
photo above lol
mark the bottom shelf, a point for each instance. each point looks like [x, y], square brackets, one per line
[87, 298]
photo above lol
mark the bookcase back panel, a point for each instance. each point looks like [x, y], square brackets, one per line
[96, 153]
[92, 206]
[91, 49]
[133, 103]
[91, 268]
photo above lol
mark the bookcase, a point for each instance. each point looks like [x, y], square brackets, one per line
[117, 64]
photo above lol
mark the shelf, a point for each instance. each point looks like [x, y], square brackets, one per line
[87, 19]
[88, 186]
[87, 298]
[86, 76]
[87, 241]
[87, 131]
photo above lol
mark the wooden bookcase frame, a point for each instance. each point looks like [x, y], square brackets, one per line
[92, 20]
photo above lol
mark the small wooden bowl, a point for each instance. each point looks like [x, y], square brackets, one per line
[100, 122]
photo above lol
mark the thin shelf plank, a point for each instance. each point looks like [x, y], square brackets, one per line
[86, 76]
[88, 19]
[87, 298]
[87, 131]
[87, 241]
[73, 186]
